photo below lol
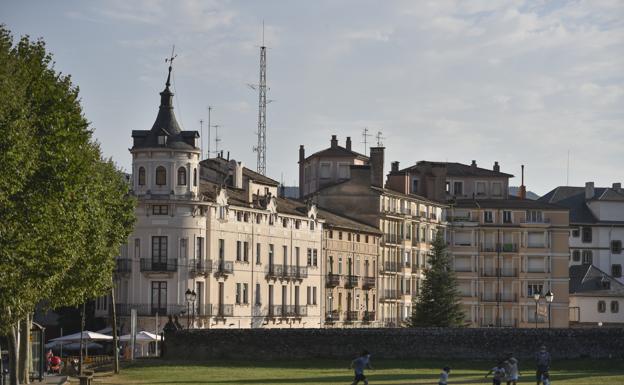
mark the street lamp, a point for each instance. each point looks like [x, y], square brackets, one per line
[549, 298]
[188, 294]
[331, 303]
[536, 297]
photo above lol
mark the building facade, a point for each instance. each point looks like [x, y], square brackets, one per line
[597, 225]
[596, 298]
[505, 249]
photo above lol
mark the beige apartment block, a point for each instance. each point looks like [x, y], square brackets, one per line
[264, 266]
[350, 256]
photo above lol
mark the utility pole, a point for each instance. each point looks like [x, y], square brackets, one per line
[365, 136]
[262, 102]
[201, 139]
[217, 139]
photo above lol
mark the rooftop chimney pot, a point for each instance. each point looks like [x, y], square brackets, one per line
[348, 145]
[473, 164]
[334, 141]
[589, 190]
[394, 166]
[617, 186]
[496, 167]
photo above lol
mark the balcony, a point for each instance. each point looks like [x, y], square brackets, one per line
[368, 283]
[389, 295]
[490, 248]
[462, 269]
[497, 272]
[223, 268]
[145, 309]
[351, 281]
[123, 265]
[485, 323]
[391, 238]
[276, 272]
[540, 319]
[499, 297]
[489, 272]
[510, 247]
[286, 272]
[287, 311]
[390, 267]
[332, 316]
[222, 310]
[199, 267]
[460, 219]
[159, 265]
[332, 280]
[536, 221]
[351, 315]
[368, 316]
[509, 272]
[298, 272]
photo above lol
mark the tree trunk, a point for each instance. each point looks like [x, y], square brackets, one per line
[115, 337]
[13, 353]
[24, 351]
[82, 325]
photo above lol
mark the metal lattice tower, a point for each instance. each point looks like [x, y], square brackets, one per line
[262, 102]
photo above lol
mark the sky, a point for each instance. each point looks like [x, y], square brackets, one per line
[518, 82]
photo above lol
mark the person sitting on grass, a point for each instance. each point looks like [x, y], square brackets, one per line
[359, 364]
[498, 373]
[444, 376]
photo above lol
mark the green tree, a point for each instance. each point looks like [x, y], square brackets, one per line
[65, 211]
[437, 304]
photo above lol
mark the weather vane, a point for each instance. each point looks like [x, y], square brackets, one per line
[170, 61]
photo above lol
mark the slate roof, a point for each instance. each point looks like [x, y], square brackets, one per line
[338, 151]
[588, 280]
[165, 124]
[574, 199]
[221, 164]
[511, 203]
[461, 170]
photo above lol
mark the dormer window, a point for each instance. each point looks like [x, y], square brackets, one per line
[181, 176]
[162, 140]
[161, 176]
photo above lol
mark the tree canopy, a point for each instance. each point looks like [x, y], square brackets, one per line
[65, 210]
[438, 301]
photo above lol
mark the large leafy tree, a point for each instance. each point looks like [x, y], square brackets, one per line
[438, 301]
[65, 211]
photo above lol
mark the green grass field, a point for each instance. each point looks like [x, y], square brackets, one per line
[574, 372]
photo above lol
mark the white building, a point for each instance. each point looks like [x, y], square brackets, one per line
[597, 222]
[595, 297]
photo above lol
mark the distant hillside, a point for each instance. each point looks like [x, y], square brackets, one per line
[291, 192]
[513, 190]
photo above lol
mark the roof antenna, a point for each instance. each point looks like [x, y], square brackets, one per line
[365, 135]
[379, 138]
[170, 61]
[522, 186]
[568, 170]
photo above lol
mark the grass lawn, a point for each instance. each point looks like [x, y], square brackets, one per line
[574, 372]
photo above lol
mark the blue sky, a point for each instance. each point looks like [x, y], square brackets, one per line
[517, 82]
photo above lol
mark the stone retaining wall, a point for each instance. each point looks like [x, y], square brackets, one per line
[491, 343]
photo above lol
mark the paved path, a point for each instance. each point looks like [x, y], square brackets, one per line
[53, 380]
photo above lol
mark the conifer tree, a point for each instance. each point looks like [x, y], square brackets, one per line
[437, 304]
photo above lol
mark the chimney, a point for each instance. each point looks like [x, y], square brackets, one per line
[377, 166]
[589, 190]
[617, 186]
[334, 142]
[348, 145]
[238, 175]
[522, 187]
[496, 167]
[394, 166]
[473, 165]
[228, 154]
[301, 176]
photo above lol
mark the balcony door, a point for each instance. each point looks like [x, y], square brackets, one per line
[159, 253]
[159, 297]
[221, 298]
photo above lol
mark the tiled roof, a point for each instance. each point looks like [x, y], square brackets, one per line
[460, 169]
[588, 280]
[511, 203]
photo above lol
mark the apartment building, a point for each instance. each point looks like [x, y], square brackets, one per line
[596, 298]
[350, 252]
[597, 225]
[151, 272]
[264, 266]
[505, 249]
[407, 223]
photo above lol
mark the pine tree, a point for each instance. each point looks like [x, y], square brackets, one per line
[437, 304]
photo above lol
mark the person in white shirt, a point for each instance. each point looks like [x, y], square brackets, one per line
[511, 370]
[444, 376]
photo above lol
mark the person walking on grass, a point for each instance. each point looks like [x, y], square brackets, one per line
[498, 373]
[511, 370]
[542, 361]
[359, 364]
[444, 376]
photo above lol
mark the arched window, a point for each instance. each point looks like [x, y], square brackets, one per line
[141, 176]
[194, 177]
[161, 176]
[181, 176]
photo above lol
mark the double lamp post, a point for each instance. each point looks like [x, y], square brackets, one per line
[190, 297]
[549, 296]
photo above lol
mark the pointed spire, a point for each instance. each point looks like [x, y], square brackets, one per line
[170, 61]
[166, 119]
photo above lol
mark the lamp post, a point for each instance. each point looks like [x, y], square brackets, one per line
[188, 294]
[193, 297]
[330, 298]
[549, 298]
[536, 297]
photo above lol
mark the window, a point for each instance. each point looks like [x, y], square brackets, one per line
[284, 222]
[488, 217]
[616, 270]
[298, 224]
[239, 251]
[159, 297]
[312, 225]
[161, 176]
[309, 295]
[458, 188]
[137, 248]
[576, 232]
[238, 293]
[534, 288]
[221, 249]
[576, 255]
[325, 170]
[258, 218]
[258, 249]
[271, 260]
[285, 255]
[183, 248]
[339, 265]
[414, 186]
[615, 307]
[258, 302]
[297, 257]
[357, 237]
[222, 212]
[348, 236]
[181, 176]
[330, 234]
[199, 247]
[506, 216]
[159, 249]
[343, 171]
[497, 189]
[162, 140]
[587, 235]
[245, 291]
[194, 177]
[587, 257]
[315, 257]
[447, 187]
[602, 307]
[141, 176]
[309, 257]
[480, 188]
[246, 251]
[160, 209]
[314, 295]
[239, 216]
[616, 247]
[534, 216]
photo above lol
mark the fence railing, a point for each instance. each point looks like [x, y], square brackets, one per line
[159, 265]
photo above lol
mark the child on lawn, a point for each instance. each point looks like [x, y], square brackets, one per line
[498, 373]
[444, 376]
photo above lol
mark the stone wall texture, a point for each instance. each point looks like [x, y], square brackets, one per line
[490, 343]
